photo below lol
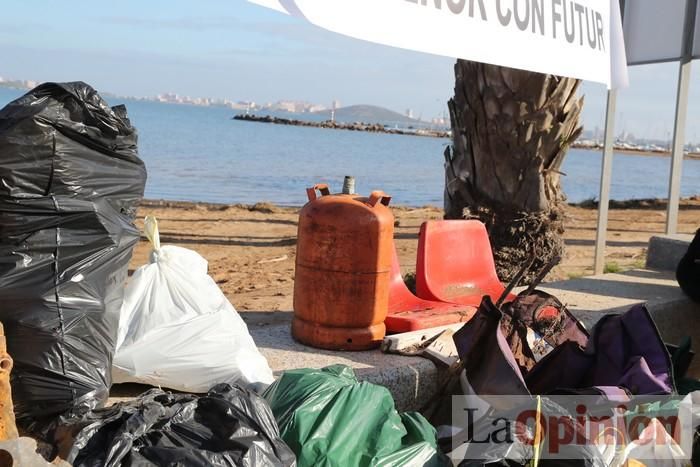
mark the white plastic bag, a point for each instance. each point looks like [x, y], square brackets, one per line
[656, 448]
[178, 330]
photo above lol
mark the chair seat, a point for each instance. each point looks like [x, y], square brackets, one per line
[427, 315]
[410, 313]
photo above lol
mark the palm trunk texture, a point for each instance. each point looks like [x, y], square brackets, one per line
[510, 132]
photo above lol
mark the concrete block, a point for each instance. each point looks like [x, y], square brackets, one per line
[665, 251]
[411, 380]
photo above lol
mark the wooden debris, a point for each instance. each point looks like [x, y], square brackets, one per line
[273, 260]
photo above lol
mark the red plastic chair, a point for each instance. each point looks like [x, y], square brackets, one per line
[410, 313]
[455, 263]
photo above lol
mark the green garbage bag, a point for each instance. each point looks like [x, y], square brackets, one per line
[330, 419]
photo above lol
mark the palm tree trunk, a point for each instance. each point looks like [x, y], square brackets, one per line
[511, 130]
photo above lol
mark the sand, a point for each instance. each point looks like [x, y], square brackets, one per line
[251, 249]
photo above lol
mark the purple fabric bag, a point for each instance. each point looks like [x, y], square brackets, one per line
[624, 353]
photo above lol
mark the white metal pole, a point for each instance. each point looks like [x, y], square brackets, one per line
[605, 179]
[674, 188]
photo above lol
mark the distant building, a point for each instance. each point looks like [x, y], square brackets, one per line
[409, 113]
[243, 105]
[295, 106]
[168, 97]
[285, 105]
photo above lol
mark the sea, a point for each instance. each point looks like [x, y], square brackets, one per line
[197, 153]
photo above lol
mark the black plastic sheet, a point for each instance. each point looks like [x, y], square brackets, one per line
[70, 181]
[688, 270]
[230, 426]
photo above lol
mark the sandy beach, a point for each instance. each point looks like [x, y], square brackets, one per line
[251, 249]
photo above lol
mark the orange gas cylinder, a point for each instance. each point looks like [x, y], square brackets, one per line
[343, 265]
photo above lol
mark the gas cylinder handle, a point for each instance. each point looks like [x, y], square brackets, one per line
[322, 187]
[379, 196]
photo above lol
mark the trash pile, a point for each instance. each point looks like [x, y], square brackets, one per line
[533, 349]
[71, 182]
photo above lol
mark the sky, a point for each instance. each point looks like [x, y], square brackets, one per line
[236, 50]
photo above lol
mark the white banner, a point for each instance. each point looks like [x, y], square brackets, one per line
[574, 38]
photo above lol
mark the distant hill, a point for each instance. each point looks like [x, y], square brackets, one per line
[368, 114]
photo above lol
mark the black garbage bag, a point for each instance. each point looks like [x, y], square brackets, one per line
[70, 180]
[230, 426]
[688, 270]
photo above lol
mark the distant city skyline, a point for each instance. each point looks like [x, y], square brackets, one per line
[233, 50]
[285, 105]
[587, 138]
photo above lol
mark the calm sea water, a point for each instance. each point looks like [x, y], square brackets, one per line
[200, 154]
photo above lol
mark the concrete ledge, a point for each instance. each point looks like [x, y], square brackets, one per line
[411, 380]
[666, 251]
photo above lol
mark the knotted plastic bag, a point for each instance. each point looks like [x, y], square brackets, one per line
[329, 418]
[178, 330]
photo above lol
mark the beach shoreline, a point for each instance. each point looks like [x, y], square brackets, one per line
[270, 207]
[251, 248]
